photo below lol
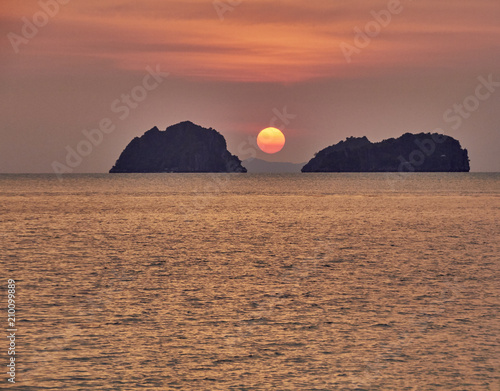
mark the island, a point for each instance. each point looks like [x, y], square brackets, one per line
[259, 166]
[181, 148]
[423, 152]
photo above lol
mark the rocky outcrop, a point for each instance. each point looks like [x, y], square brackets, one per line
[423, 152]
[184, 147]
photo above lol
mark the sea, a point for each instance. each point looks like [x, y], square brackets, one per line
[252, 281]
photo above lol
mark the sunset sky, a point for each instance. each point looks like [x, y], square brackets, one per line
[242, 66]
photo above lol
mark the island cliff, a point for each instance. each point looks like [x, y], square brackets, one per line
[423, 152]
[184, 147]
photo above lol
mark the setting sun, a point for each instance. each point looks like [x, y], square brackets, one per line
[271, 140]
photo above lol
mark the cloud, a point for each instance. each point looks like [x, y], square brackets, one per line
[278, 41]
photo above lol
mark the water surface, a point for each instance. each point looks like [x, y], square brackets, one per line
[254, 282]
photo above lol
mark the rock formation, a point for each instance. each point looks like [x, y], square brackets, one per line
[423, 152]
[184, 147]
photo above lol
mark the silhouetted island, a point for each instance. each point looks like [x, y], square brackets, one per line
[259, 166]
[423, 152]
[184, 147]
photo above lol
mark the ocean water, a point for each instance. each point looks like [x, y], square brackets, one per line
[253, 282]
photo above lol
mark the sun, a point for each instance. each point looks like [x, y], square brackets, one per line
[271, 140]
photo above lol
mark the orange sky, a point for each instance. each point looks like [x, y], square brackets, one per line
[235, 74]
[264, 40]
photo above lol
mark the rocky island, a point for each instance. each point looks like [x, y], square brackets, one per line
[423, 152]
[184, 147]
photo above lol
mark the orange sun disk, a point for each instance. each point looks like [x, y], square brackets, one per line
[271, 140]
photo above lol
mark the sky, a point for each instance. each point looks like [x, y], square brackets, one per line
[80, 79]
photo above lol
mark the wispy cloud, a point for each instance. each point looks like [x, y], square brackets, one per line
[262, 40]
